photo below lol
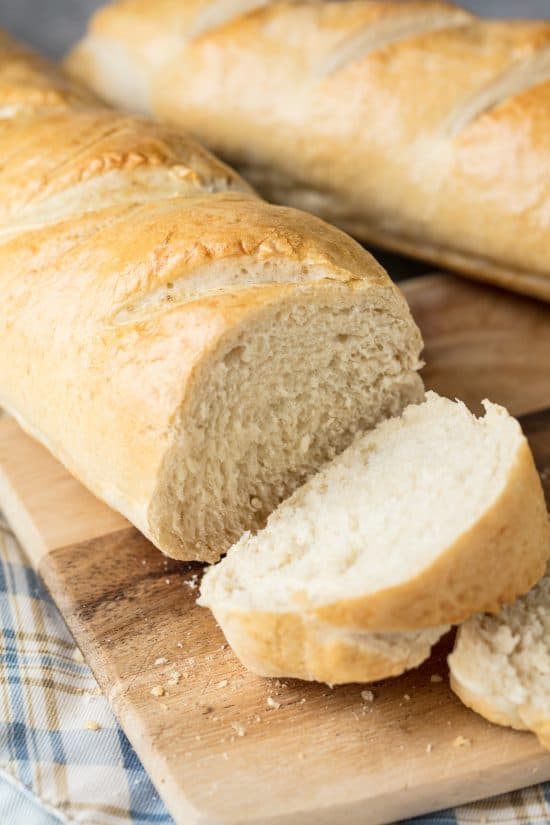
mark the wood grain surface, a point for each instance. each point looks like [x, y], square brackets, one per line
[216, 750]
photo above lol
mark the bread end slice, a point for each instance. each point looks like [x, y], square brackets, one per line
[500, 665]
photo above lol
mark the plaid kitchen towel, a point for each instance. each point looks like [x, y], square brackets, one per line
[63, 758]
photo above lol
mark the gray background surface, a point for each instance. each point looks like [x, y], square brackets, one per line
[53, 25]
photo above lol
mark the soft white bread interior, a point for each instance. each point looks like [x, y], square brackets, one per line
[422, 522]
[500, 665]
[359, 111]
[191, 353]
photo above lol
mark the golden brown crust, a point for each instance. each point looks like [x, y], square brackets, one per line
[290, 645]
[105, 219]
[418, 154]
[500, 558]
[47, 156]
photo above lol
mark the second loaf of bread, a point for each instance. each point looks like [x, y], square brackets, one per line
[413, 125]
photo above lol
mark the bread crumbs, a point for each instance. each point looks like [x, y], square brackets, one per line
[174, 678]
[92, 725]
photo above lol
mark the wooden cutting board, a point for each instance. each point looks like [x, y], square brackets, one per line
[215, 749]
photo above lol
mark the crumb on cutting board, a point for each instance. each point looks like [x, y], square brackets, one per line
[174, 678]
[462, 742]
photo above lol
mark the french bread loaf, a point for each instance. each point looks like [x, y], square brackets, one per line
[420, 523]
[189, 352]
[500, 665]
[414, 125]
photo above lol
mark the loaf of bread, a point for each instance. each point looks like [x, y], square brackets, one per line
[414, 125]
[500, 666]
[189, 352]
[420, 523]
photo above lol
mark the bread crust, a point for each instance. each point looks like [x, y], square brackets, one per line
[296, 646]
[414, 154]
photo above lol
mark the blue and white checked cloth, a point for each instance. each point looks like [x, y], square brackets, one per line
[63, 757]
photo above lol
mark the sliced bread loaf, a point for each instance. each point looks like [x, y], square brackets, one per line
[420, 523]
[500, 666]
[189, 352]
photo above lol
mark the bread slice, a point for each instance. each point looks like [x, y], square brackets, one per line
[500, 665]
[300, 646]
[422, 522]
